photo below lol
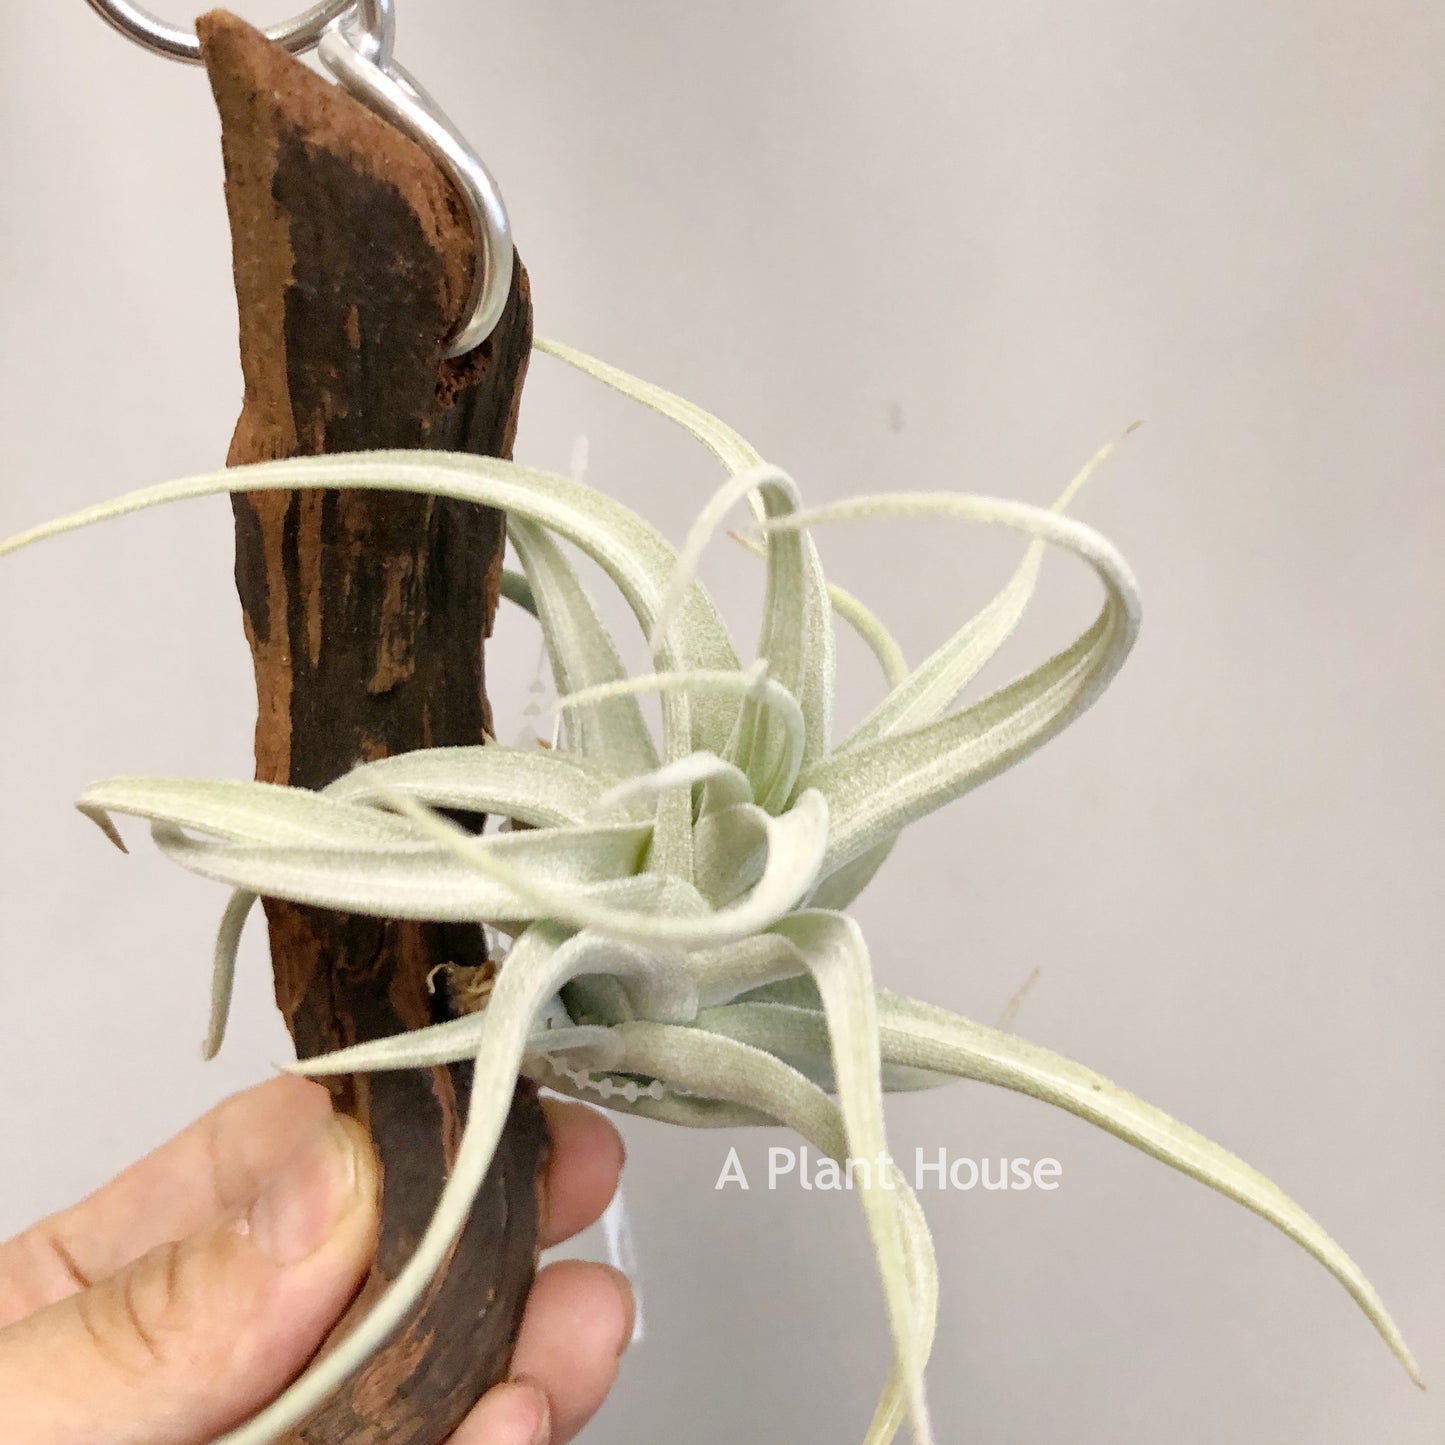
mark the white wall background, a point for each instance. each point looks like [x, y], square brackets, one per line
[921, 243]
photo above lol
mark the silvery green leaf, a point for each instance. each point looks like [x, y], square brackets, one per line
[696, 769]
[922, 1265]
[840, 887]
[598, 1046]
[515, 588]
[423, 881]
[612, 732]
[658, 986]
[598, 1000]
[672, 850]
[812, 622]
[657, 981]
[717, 1068]
[452, 1042]
[724, 790]
[797, 624]
[245, 812]
[798, 1034]
[796, 841]
[773, 700]
[731, 852]
[750, 963]
[533, 786]
[922, 1036]
[927, 691]
[631, 552]
[834, 950]
[801, 991]
[870, 629]
[935, 683]
[734, 451]
[223, 969]
[861, 618]
[877, 789]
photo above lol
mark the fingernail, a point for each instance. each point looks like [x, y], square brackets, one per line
[294, 1214]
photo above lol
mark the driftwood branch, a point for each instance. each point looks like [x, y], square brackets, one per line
[366, 614]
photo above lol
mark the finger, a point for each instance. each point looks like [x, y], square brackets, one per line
[204, 1173]
[194, 1337]
[513, 1414]
[583, 1166]
[577, 1323]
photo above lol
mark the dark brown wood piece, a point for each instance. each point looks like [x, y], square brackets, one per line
[366, 614]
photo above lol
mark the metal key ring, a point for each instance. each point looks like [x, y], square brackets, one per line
[298, 35]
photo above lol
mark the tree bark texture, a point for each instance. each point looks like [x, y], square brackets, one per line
[366, 614]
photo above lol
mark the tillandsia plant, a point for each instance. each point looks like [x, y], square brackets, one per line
[679, 945]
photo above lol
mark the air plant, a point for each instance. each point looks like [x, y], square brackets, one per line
[679, 946]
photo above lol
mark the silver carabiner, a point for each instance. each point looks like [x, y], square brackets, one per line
[354, 40]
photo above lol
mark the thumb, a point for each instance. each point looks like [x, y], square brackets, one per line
[195, 1336]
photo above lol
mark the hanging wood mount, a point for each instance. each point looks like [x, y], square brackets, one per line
[366, 614]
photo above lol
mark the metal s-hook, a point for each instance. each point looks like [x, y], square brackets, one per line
[388, 89]
[354, 40]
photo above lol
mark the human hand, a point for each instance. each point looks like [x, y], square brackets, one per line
[184, 1295]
